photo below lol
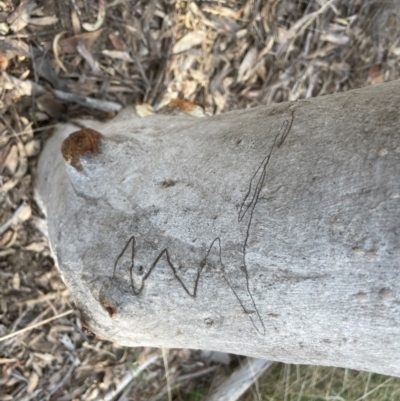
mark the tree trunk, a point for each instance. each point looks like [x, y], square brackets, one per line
[272, 232]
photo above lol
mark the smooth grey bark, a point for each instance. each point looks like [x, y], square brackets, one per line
[272, 232]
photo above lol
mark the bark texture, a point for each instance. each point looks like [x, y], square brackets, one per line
[272, 232]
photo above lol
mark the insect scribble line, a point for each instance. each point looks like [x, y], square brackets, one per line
[247, 207]
[278, 142]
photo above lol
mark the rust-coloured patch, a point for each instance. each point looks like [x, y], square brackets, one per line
[112, 311]
[186, 107]
[79, 143]
[183, 105]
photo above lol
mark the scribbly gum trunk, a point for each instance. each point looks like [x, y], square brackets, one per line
[272, 232]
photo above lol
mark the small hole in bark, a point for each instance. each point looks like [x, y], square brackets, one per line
[111, 310]
[139, 269]
[238, 142]
[88, 332]
[85, 326]
[386, 294]
[208, 321]
[168, 183]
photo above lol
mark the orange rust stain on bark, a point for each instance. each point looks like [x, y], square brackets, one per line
[79, 143]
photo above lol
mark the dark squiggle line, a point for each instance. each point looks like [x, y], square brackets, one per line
[192, 294]
[283, 132]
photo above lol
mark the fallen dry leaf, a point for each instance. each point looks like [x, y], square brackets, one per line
[27, 134]
[395, 51]
[11, 162]
[76, 23]
[119, 55]
[4, 29]
[36, 247]
[7, 240]
[188, 41]
[219, 101]
[338, 39]
[3, 62]
[116, 41]
[44, 21]
[55, 50]
[341, 67]
[101, 14]
[51, 106]
[24, 212]
[7, 360]
[40, 225]
[225, 11]
[375, 75]
[247, 63]
[20, 88]
[144, 110]
[4, 147]
[21, 171]
[322, 52]
[32, 148]
[19, 19]
[69, 45]
[32, 382]
[16, 281]
[13, 47]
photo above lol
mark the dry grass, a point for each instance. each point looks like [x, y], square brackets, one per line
[314, 383]
[222, 55]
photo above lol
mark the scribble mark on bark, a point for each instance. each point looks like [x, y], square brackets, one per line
[247, 206]
[251, 198]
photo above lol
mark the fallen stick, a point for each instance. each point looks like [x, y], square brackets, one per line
[127, 379]
[232, 388]
[29, 88]
[34, 326]
[89, 102]
[271, 232]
